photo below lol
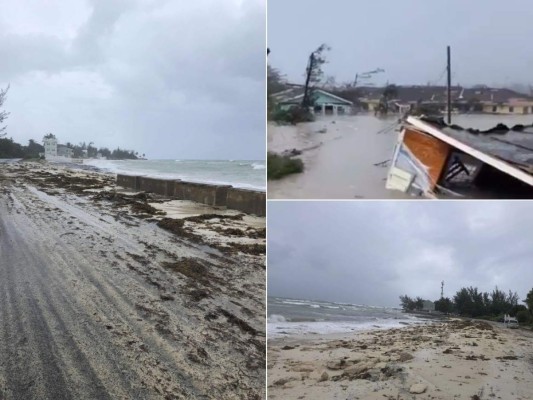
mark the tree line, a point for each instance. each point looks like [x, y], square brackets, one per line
[10, 149]
[470, 302]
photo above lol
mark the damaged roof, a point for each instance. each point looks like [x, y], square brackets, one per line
[511, 145]
[295, 95]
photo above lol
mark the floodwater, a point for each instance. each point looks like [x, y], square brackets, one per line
[347, 157]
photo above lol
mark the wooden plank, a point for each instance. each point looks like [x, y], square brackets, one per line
[484, 157]
[431, 152]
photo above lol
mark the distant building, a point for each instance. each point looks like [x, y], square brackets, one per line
[325, 103]
[479, 99]
[54, 151]
[50, 147]
[64, 151]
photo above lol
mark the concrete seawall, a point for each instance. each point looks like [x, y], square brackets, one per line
[247, 201]
[129, 181]
[164, 187]
[212, 195]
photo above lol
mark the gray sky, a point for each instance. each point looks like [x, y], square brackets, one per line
[490, 39]
[172, 79]
[373, 252]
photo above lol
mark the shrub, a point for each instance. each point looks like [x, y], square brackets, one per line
[280, 166]
[523, 316]
[292, 116]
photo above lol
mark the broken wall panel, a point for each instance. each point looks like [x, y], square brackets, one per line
[431, 152]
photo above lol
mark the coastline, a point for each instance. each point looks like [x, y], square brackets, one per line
[455, 359]
[126, 294]
[240, 174]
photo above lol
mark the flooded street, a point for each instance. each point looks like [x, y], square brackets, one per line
[346, 157]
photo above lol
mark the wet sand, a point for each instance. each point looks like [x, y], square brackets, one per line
[101, 300]
[446, 360]
[347, 157]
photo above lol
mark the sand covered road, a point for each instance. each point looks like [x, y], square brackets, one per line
[451, 360]
[96, 303]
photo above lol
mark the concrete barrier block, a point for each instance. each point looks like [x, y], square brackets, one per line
[164, 187]
[132, 182]
[212, 195]
[247, 201]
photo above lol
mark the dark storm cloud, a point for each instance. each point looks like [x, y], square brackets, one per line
[372, 252]
[406, 38]
[171, 79]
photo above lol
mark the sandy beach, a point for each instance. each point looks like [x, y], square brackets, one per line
[113, 295]
[453, 359]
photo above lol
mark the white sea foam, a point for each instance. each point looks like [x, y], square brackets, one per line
[207, 171]
[296, 303]
[277, 328]
[276, 318]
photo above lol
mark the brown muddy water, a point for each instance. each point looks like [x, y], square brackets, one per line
[346, 157]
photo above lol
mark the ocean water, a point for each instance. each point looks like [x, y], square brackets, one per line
[288, 317]
[248, 174]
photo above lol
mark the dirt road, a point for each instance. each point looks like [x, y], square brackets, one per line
[97, 304]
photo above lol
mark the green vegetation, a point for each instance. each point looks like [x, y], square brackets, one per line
[409, 304]
[470, 302]
[292, 116]
[280, 166]
[276, 83]
[10, 149]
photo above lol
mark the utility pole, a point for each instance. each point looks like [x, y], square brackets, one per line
[442, 290]
[449, 86]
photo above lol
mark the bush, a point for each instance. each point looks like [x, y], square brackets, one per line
[292, 116]
[523, 317]
[280, 166]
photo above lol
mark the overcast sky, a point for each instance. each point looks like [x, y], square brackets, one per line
[490, 39]
[373, 252]
[172, 79]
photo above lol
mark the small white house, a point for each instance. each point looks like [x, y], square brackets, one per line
[64, 151]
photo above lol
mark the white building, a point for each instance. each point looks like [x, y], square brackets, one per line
[64, 151]
[50, 147]
[56, 152]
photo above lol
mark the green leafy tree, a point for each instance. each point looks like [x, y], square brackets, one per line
[407, 303]
[444, 305]
[523, 316]
[33, 149]
[529, 301]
